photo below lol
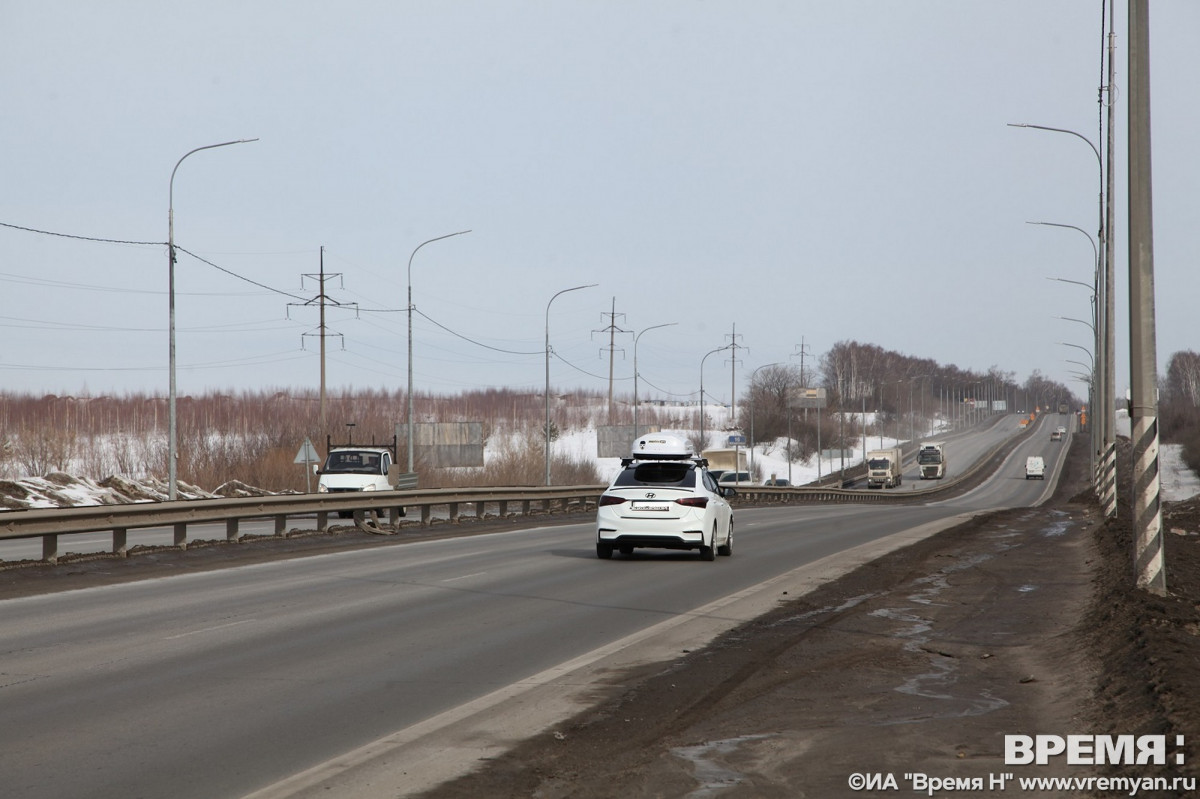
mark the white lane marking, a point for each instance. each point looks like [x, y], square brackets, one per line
[209, 629]
[462, 577]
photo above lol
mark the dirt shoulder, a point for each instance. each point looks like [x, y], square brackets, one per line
[1021, 622]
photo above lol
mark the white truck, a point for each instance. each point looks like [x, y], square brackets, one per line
[931, 460]
[884, 468]
[358, 467]
[1035, 468]
[726, 460]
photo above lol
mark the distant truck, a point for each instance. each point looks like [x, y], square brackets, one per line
[725, 460]
[358, 467]
[1035, 468]
[931, 460]
[884, 468]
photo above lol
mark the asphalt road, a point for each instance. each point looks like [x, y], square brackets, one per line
[228, 682]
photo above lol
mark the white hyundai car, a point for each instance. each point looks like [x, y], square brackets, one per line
[665, 498]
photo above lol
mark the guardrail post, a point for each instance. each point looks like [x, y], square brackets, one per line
[479, 511]
[426, 510]
[280, 525]
[231, 530]
[120, 541]
[525, 508]
[453, 508]
[503, 509]
[181, 535]
[50, 548]
[323, 521]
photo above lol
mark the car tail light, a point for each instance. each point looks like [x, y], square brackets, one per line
[694, 502]
[609, 499]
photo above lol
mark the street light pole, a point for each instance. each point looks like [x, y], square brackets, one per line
[409, 415]
[1106, 384]
[752, 405]
[635, 373]
[703, 443]
[547, 430]
[172, 423]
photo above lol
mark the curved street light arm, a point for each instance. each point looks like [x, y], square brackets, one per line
[635, 372]
[409, 413]
[1085, 349]
[547, 430]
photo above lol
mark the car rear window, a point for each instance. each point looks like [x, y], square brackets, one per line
[658, 473]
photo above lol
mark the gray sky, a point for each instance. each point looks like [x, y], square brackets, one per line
[797, 171]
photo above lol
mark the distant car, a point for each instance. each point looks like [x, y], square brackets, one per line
[778, 482]
[734, 478]
[1056, 435]
[664, 498]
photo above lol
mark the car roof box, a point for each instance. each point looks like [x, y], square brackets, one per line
[662, 446]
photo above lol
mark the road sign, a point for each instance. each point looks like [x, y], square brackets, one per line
[806, 398]
[307, 454]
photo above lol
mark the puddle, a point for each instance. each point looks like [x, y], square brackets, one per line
[915, 631]
[713, 776]
[830, 609]
[1058, 527]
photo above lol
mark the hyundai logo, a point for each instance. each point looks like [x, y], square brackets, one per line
[649, 495]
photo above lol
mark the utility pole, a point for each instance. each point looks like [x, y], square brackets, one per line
[612, 331]
[321, 300]
[734, 347]
[802, 351]
[1149, 556]
[1108, 413]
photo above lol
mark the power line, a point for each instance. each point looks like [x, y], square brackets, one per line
[82, 238]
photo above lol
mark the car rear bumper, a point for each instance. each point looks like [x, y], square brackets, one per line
[657, 541]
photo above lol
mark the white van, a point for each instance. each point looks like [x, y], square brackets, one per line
[1035, 468]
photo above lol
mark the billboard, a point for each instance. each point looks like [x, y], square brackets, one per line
[806, 398]
[439, 444]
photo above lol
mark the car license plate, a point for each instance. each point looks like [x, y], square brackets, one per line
[654, 506]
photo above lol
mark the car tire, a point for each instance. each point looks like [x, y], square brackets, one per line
[709, 552]
[726, 549]
[625, 550]
[603, 551]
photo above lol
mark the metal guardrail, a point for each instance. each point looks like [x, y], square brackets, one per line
[50, 523]
[969, 478]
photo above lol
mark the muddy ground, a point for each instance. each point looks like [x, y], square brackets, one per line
[1021, 622]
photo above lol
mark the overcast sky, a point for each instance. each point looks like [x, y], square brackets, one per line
[769, 173]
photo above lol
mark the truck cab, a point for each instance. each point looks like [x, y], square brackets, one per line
[884, 469]
[931, 460]
[355, 469]
[358, 467]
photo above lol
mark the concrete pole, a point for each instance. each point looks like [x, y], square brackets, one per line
[1108, 418]
[1149, 556]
